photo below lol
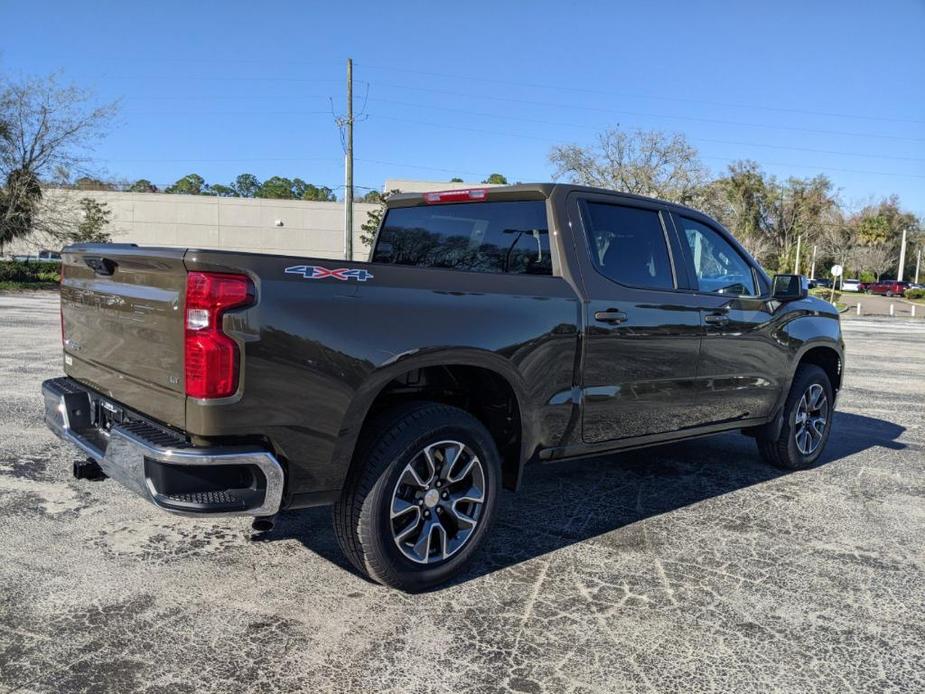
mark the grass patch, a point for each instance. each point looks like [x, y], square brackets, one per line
[826, 295]
[11, 286]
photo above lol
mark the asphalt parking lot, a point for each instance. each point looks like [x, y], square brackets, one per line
[687, 568]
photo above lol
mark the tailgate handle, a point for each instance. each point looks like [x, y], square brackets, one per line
[100, 265]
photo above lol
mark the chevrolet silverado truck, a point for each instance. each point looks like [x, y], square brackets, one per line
[490, 329]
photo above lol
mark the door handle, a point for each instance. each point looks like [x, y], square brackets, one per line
[611, 315]
[716, 318]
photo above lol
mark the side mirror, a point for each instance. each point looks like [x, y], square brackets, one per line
[789, 287]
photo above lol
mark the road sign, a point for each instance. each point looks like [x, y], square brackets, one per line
[837, 270]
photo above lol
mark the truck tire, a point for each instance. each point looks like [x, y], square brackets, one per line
[807, 422]
[421, 496]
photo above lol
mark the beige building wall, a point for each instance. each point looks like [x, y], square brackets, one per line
[283, 227]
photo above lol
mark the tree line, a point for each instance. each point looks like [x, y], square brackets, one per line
[246, 185]
[772, 217]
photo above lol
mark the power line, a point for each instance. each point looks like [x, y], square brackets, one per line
[418, 166]
[573, 88]
[238, 160]
[533, 137]
[220, 97]
[511, 118]
[224, 113]
[823, 168]
[218, 78]
[573, 106]
[583, 126]
[600, 109]
[519, 83]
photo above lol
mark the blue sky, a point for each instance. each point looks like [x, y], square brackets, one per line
[467, 88]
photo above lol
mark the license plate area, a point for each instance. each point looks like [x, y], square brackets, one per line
[104, 415]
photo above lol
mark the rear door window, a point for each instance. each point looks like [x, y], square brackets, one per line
[510, 237]
[628, 245]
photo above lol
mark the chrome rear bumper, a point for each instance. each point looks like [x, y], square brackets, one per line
[146, 459]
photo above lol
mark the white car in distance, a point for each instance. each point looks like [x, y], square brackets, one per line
[851, 285]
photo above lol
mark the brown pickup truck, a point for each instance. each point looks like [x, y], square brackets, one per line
[491, 328]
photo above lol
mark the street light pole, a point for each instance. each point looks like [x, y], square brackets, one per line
[918, 264]
[796, 268]
[902, 258]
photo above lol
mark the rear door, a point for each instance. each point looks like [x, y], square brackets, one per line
[642, 336]
[741, 365]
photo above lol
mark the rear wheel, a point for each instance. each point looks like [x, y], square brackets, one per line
[421, 498]
[807, 421]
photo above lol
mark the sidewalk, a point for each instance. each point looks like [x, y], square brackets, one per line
[875, 305]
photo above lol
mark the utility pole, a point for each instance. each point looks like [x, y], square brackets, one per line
[812, 271]
[348, 168]
[918, 265]
[796, 267]
[902, 258]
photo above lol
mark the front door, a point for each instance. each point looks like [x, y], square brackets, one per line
[642, 336]
[742, 367]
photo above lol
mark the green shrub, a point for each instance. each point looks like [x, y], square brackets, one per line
[867, 276]
[32, 271]
[914, 294]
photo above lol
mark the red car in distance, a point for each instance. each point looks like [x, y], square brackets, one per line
[887, 287]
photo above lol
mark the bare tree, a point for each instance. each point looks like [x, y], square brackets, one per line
[878, 258]
[47, 128]
[645, 162]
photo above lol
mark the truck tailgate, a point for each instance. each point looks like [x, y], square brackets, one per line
[122, 323]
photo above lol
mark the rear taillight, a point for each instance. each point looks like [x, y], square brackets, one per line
[210, 356]
[441, 196]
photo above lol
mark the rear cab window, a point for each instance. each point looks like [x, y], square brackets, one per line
[503, 236]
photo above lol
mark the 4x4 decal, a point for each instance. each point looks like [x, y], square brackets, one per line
[316, 272]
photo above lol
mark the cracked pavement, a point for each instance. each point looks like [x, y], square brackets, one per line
[690, 568]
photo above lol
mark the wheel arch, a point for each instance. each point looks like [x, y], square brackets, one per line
[826, 356]
[496, 384]
[823, 352]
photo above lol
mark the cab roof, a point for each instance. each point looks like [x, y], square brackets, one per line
[527, 191]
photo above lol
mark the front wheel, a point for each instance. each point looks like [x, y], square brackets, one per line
[807, 423]
[421, 496]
